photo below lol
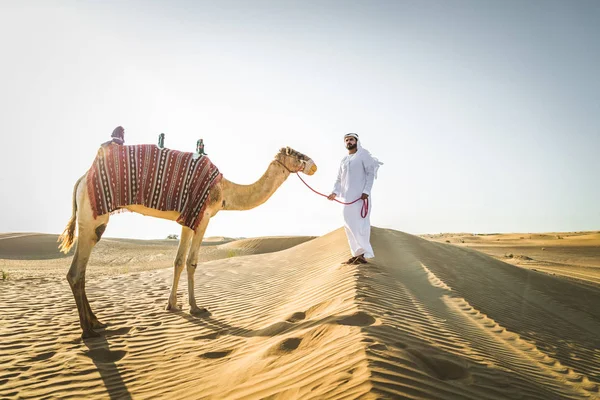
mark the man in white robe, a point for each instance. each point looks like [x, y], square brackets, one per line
[356, 175]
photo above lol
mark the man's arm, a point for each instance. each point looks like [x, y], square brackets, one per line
[337, 187]
[369, 166]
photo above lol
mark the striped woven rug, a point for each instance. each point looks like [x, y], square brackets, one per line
[162, 179]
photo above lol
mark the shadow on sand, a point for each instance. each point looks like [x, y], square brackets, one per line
[105, 360]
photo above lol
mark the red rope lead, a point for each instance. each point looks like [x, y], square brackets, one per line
[363, 211]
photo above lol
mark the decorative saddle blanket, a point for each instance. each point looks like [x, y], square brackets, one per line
[162, 179]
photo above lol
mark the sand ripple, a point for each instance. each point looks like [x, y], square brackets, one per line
[424, 320]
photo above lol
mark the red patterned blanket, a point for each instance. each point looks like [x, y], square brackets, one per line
[162, 179]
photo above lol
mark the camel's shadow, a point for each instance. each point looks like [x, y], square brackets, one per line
[105, 360]
[220, 328]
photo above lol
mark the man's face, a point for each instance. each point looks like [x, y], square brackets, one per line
[350, 143]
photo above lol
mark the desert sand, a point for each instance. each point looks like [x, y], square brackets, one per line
[426, 319]
[571, 255]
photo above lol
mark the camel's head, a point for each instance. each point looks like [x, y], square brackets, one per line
[295, 161]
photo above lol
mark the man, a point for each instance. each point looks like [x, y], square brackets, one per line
[356, 175]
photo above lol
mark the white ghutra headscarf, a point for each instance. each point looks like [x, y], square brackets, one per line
[359, 150]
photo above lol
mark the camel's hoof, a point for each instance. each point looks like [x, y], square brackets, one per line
[199, 311]
[89, 333]
[98, 325]
[172, 308]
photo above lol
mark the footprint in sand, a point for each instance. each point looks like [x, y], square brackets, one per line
[297, 316]
[216, 354]
[378, 347]
[285, 346]
[357, 319]
[105, 355]
[290, 344]
[438, 367]
[43, 356]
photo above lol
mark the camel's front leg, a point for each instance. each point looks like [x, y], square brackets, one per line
[192, 261]
[182, 252]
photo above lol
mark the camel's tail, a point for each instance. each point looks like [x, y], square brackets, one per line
[67, 238]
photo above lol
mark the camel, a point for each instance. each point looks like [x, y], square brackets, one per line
[224, 195]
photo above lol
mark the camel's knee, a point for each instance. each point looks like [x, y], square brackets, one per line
[179, 261]
[75, 276]
[71, 279]
[76, 281]
[191, 268]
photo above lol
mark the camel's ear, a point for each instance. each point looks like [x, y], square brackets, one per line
[287, 151]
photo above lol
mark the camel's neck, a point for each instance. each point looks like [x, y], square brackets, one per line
[246, 197]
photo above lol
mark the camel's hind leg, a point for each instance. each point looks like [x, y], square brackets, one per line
[90, 232]
[182, 252]
[192, 261]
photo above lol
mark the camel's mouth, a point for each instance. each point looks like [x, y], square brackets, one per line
[311, 170]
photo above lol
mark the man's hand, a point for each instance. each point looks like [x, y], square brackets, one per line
[364, 196]
[331, 196]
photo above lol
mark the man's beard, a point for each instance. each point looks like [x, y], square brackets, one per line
[351, 146]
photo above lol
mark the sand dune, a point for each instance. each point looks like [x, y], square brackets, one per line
[424, 320]
[29, 246]
[265, 244]
[571, 255]
[36, 255]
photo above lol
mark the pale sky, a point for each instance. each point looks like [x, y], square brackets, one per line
[485, 113]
